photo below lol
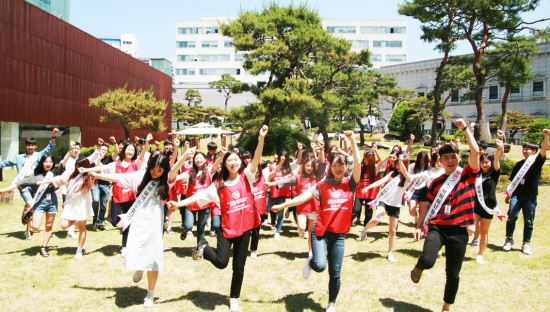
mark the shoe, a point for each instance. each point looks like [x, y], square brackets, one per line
[391, 257]
[72, 233]
[198, 251]
[479, 259]
[169, 231]
[508, 244]
[79, 253]
[306, 271]
[148, 302]
[362, 235]
[306, 235]
[183, 235]
[27, 216]
[475, 243]
[331, 307]
[526, 249]
[212, 233]
[265, 223]
[277, 236]
[101, 227]
[234, 305]
[416, 274]
[287, 214]
[44, 251]
[28, 234]
[253, 255]
[137, 276]
[123, 252]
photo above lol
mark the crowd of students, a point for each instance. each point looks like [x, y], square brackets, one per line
[326, 188]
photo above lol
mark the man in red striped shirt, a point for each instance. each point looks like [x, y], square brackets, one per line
[451, 198]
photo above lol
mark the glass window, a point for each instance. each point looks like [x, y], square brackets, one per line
[218, 71]
[228, 43]
[363, 44]
[239, 57]
[186, 58]
[376, 58]
[213, 57]
[341, 29]
[197, 30]
[186, 44]
[387, 44]
[383, 30]
[493, 92]
[455, 96]
[209, 44]
[396, 58]
[538, 87]
[185, 71]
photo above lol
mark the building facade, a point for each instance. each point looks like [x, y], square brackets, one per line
[161, 64]
[58, 8]
[533, 98]
[127, 43]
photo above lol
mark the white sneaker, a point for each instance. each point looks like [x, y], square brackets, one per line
[306, 235]
[148, 302]
[28, 235]
[479, 259]
[362, 235]
[79, 253]
[253, 255]
[526, 249]
[306, 271]
[277, 236]
[331, 307]
[123, 252]
[137, 277]
[508, 244]
[72, 233]
[391, 257]
[234, 305]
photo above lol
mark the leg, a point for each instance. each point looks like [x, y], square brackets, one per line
[432, 244]
[529, 208]
[319, 250]
[152, 277]
[104, 195]
[302, 223]
[95, 202]
[66, 223]
[477, 220]
[280, 213]
[219, 257]
[81, 233]
[254, 238]
[380, 212]
[36, 220]
[368, 212]
[513, 213]
[240, 252]
[50, 217]
[335, 259]
[392, 231]
[412, 208]
[484, 226]
[455, 249]
[189, 220]
[202, 217]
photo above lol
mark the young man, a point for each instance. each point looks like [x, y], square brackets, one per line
[25, 164]
[451, 199]
[212, 153]
[101, 191]
[521, 194]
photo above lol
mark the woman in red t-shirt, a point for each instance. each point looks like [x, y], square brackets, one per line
[369, 175]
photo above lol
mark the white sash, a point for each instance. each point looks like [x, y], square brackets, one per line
[126, 218]
[41, 190]
[520, 175]
[444, 191]
[479, 192]
[71, 189]
[27, 168]
[390, 187]
[411, 189]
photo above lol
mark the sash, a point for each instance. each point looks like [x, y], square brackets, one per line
[27, 168]
[41, 190]
[126, 218]
[479, 192]
[411, 189]
[391, 186]
[71, 189]
[520, 175]
[444, 191]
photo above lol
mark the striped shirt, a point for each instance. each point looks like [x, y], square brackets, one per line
[461, 199]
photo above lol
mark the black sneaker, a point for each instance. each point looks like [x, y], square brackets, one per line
[183, 235]
[44, 251]
[198, 251]
[101, 227]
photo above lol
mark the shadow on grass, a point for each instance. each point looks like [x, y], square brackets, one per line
[287, 255]
[181, 251]
[108, 250]
[31, 251]
[400, 306]
[202, 299]
[364, 256]
[408, 224]
[297, 303]
[16, 234]
[410, 252]
[124, 296]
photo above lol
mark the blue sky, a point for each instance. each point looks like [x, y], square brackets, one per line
[154, 22]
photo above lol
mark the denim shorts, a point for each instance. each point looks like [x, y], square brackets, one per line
[420, 195]
[26, 193]
[47, 205]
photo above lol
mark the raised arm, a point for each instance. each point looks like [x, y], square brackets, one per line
[409, 146]
[51, 144]
[321, 155]
[356, 172]
[115, 145]
[473, 160]
[376, 154]
[145, 148]
[259, 150]
[403, 169]
[300, 152]
[546, 134]
[298, 200]
[277, 168]
[500, 150]
[175, 169]
[378, 183]
[219, 159]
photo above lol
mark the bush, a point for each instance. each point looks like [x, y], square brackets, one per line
[545, 175]
[87, 151]
[534, 130]
[506, 167]
[279, 138]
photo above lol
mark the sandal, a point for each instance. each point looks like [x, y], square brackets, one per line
[44, 251]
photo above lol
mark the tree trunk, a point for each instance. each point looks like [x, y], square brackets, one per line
[504, 103]
[127, 133]
[362, 133]
[480, 128]
[436, 109]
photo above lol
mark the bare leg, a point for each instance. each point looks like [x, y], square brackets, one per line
[380, 212]
[477, 219]
[82, 233]
[50, 217]
[36, 221]
[392, 232]
[302, 223]
[152, 277]
[484, 234]
[66, 223]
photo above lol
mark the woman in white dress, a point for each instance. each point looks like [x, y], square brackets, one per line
[144, 250]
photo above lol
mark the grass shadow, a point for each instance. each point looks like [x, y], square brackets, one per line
[297, 303]
[181, 251]
[287, 255]
[202, 300]
[410, 252]
[400, 306]
[108, 250]
[408, 224]
[16, 234]
[364, 256]
[124, 296]
[31, 251]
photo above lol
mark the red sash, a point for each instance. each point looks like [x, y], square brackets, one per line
[121, 194]
[336, 208]
[237, 208]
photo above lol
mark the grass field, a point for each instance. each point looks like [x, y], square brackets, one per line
[508, 281]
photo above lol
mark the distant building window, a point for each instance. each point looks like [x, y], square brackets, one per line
[186, 44]
[376, 58]
[515, 93]
[455, 96]
[197, 30]
[362, 44]
[421, 93]
[185, 71]
[239, 57]
[186, 58]
[387, 44]
[228, 44]
[538, 88]
[209, 44]
[218, 71]
[396, 58]
[382, 30]
[493, 92]
[204, 58]
[126, 42]
[341, 29]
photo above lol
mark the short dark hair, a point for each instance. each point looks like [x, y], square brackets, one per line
[483, 145]
[446, 149]
[530, 145]
[168, 142]
[77, 143]
[104, 144]
[212, 146]
[30, 141]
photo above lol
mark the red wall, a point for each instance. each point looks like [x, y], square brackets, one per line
[49, 69]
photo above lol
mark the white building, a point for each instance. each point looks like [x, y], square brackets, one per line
[533, 98]
[203, 54]
[127, 43]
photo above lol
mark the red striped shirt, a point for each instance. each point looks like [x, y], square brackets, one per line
[461, 199]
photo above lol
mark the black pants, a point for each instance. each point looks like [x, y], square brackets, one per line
[255, 238]
[455, 240]
[357, 207]
[120, 208]
[219, 257]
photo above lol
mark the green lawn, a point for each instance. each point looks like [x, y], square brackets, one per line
[98, 282]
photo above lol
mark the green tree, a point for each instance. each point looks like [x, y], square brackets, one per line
[517, 122]
[131, 109]
[195, 114]
[228, 86]
[193, 96]
[534, 131]
[409, 116]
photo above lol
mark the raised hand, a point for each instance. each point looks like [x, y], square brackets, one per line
[55, 132]
[460, 123]
[100, 141]
[412, 137]
[112, 139]
[149, 137]
[348, 134]
[546, 132]
[300, 146]
[177, 143]
[263, 131]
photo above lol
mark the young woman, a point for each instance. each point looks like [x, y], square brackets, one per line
[369, 174]
[144, 246]
[417, 188]
[233, 194]
[260, 201]
[486, 201]
[389, 200]
[279, 195]
[335, 194]
[78, 205]
[44, 201]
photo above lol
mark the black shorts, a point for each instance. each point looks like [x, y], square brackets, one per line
[481, 212]
[391, 211]
[420, 194]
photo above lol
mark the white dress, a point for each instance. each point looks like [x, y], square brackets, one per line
[78, 204]
[144, 249]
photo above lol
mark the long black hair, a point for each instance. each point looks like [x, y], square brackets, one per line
[88, 180]
[163, 162]
[194, 170]
[224, 175]
[123, 152]
[422, 162]
[40, 167]
[336, 157]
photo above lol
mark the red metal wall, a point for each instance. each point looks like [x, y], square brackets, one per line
[49, 69]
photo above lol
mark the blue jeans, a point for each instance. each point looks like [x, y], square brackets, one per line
[280, 215]
[528, 205]
[215, 223]
[328, 247]
[27, 193]
[100, 196]
[202, 217]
